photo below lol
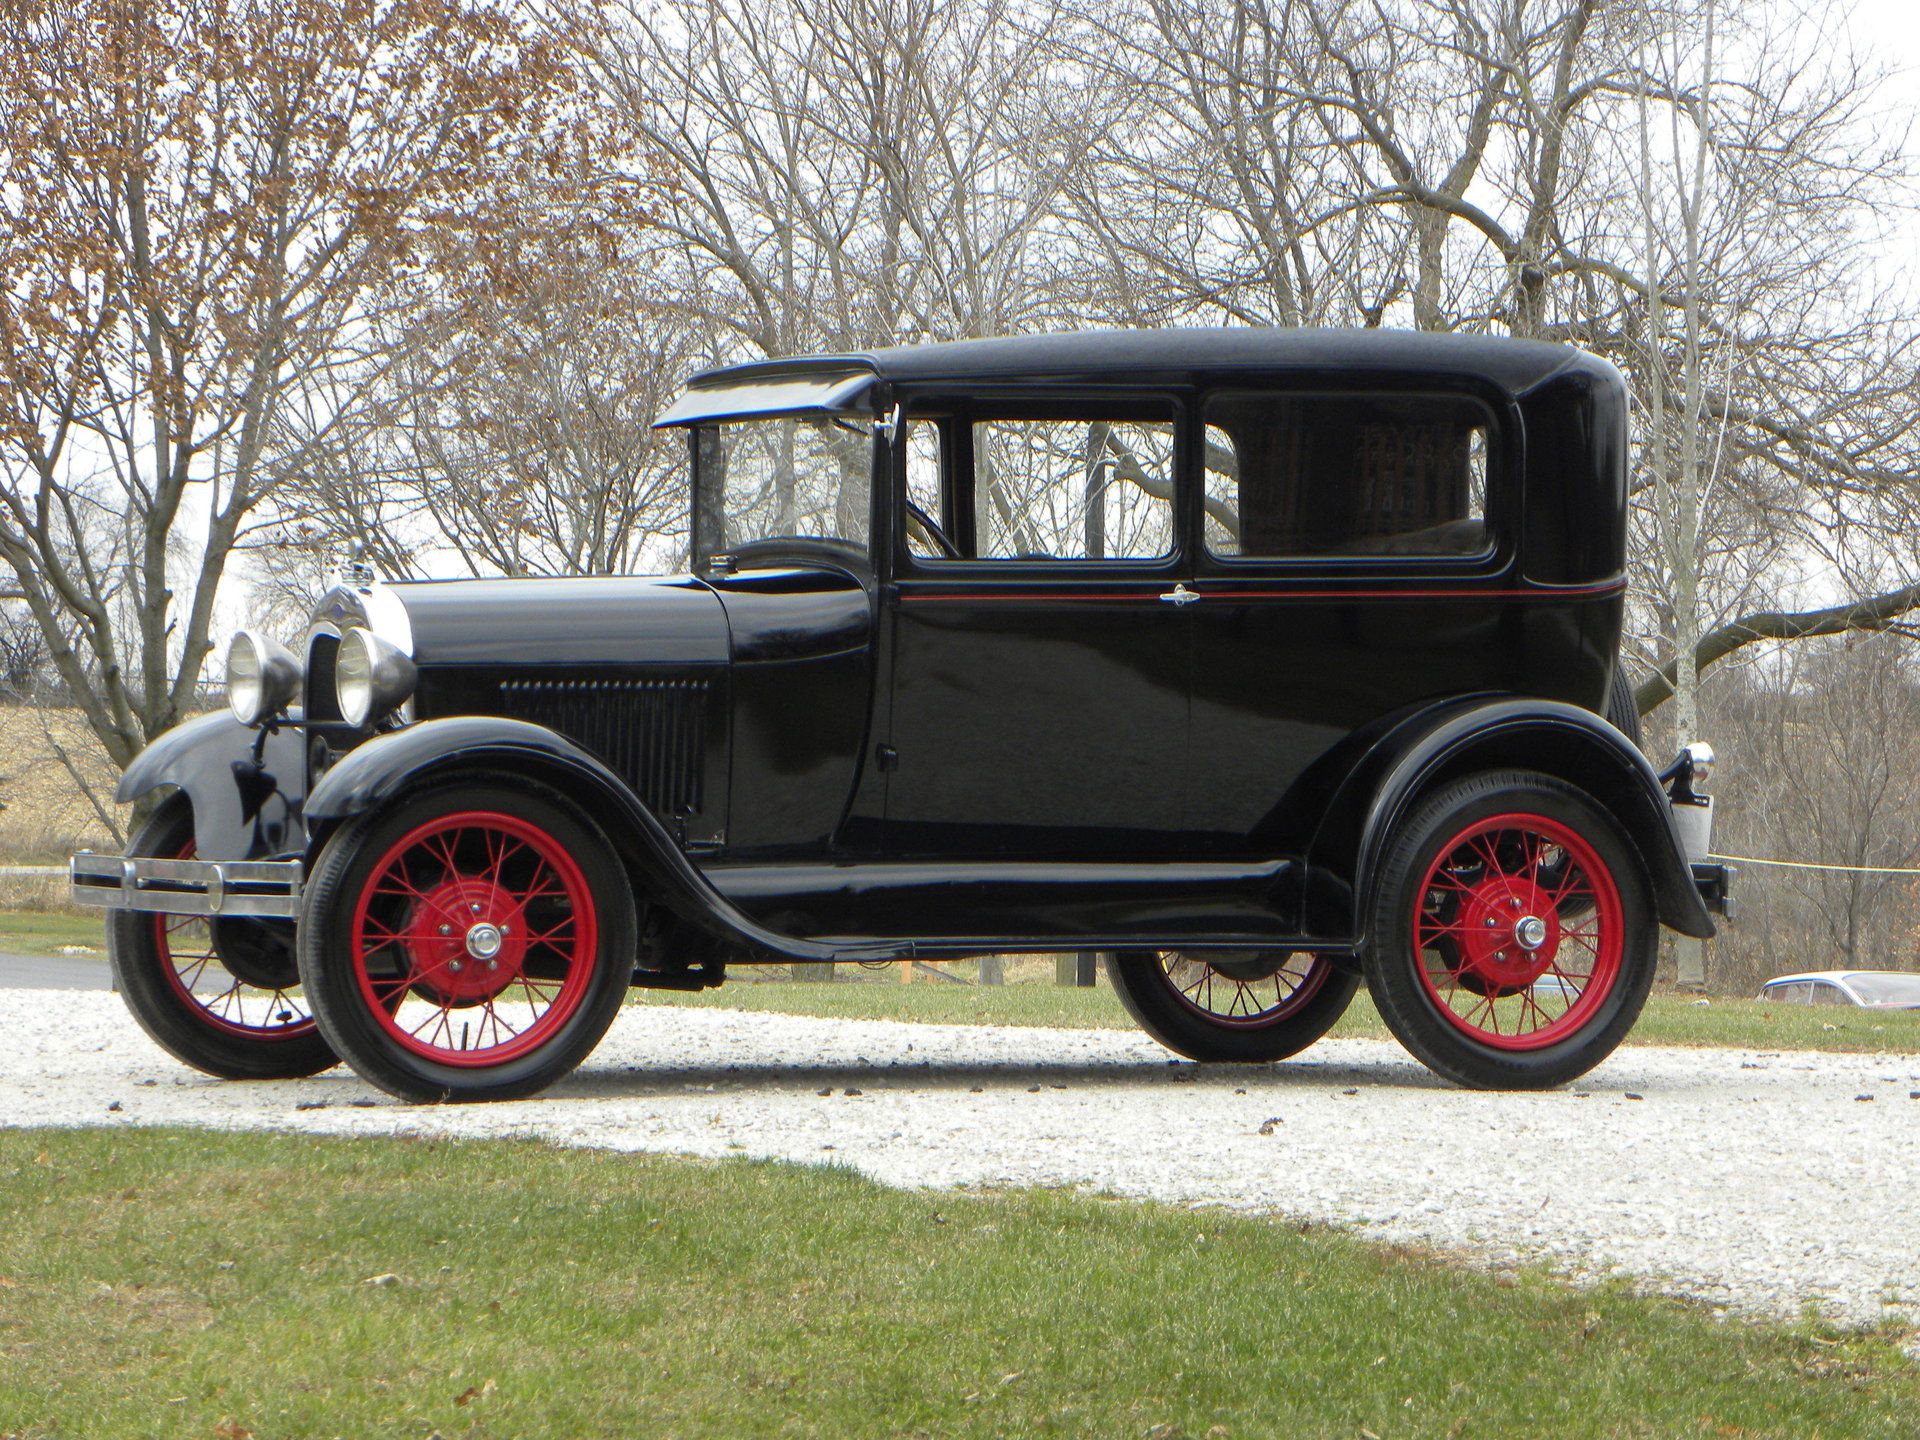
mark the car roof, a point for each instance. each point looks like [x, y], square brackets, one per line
[1831, 975]
[1180, 355]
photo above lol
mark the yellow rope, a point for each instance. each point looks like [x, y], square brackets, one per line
[1811, 865]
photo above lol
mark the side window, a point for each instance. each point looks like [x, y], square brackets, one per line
[1084, 487]
[1302, 476]
[923, 488]
[1825, 994]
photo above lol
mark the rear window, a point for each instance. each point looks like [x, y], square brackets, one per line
[1318, 476]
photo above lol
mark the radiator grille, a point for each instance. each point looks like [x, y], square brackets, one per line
[653, 733]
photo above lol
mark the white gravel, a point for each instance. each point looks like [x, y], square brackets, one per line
[1755, 1181]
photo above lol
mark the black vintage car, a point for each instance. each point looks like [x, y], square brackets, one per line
[1264, 662]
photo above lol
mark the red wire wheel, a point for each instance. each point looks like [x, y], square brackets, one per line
[1235, 1007]
[221, 994]
[1245, 993]
[1519, 930]
[251, 995]
[1511, 935]
[475, 938]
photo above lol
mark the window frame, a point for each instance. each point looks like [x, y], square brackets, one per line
[956, 410]
[1505, 478]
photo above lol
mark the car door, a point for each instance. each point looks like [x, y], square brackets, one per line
[1038, 655]
[1348, 568]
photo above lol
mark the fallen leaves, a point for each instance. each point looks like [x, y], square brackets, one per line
[474, 1392]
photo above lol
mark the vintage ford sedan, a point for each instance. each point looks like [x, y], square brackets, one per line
[1264, 662]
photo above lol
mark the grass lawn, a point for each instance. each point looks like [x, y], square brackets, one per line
[1668, 1019]
[162, 1284]
[44, 932]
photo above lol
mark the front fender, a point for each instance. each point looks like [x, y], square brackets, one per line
[243, 808]
[1460, 737]
[383, 769]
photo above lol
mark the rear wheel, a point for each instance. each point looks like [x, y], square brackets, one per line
[1512, 938]
[470, 943]
[1246, 1006]
[222, 995]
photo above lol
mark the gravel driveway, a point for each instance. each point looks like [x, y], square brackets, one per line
[1756, 1181]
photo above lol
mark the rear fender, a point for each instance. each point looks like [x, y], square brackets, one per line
[246, 803]
[1466, 736]
[481, 747]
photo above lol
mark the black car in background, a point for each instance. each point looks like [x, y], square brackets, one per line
[1266, 662]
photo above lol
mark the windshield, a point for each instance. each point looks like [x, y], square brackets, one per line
[1885, 989]
[782, 477]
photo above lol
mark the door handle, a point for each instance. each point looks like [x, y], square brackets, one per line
[1180, 595]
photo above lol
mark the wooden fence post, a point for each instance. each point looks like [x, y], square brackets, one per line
[1076, 967]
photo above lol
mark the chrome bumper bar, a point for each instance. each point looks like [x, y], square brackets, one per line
[267, 888]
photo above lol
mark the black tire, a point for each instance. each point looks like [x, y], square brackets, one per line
[237, 1030]
[361, 996]
[1623, 710]
[1445, 999]
[1240, 1031]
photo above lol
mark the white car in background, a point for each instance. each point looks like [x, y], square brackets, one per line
[1869, 989]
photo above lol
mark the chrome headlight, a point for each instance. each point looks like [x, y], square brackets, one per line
[263, 677]
[371, 677]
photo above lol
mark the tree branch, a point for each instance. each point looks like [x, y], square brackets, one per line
[1876, 612]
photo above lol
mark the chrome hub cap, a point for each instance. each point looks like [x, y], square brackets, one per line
[484, 941]
[1531, 932]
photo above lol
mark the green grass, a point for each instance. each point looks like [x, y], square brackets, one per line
[1668, 1019]
[44, 932]
[178, 1284]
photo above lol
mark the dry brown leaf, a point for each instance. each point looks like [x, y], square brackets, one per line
[473, 1393]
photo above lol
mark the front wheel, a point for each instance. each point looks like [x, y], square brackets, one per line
[1245, 1007]
[470, 943]
[1513, 940]
[218, 993]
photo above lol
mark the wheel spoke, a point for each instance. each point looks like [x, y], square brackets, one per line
[1240, 1002]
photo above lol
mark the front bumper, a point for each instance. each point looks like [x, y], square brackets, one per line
[268, 889]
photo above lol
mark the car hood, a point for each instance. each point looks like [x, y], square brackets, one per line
[602, 620]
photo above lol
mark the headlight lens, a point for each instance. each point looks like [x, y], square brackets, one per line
[371, 677]
[263, 677]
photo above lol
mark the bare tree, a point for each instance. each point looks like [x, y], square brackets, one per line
[506, 428]
[852, 172]
[1827, 770]
[199, 203]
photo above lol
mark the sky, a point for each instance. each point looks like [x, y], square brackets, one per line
[1886, 34]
